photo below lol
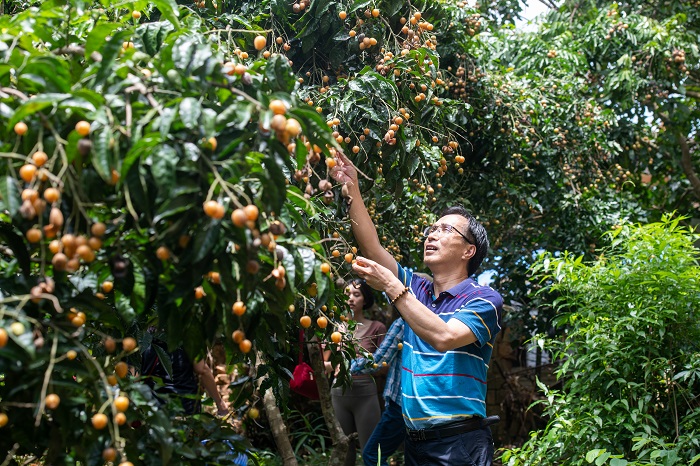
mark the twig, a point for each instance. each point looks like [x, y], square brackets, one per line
[45, 385]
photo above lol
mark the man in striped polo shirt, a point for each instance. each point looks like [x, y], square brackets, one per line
[451, 326]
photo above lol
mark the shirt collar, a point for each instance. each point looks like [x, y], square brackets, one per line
[460, 288]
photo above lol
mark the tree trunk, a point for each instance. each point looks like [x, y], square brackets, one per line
[687, 164]
[279, 429]
[274, 418]
[341, 442]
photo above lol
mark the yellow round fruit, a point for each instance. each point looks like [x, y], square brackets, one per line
[129, 344]
[239, 218]
[252, 212]
[121, 369]
[52, 401]
[71, 354]
[21, 128]
[27, 172]
[305, 321]
[278, 107]
[163, 253]
[3, 337]
[3, 420]
[260, 42]
[40, 158]
[199, 293]
[322, 322]
[107, 286]
[342, 15]
[400, 346]
[17, 328]
[136, 14]
[99, 421]
[336, 337]
[120, 419]
[239, 308]
[82, 128]
[325, 267]
[245, 346]
[238, 336]
[109, 454]
[253, 413]
[121, 403]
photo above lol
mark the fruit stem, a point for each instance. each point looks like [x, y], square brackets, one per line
[47, 379]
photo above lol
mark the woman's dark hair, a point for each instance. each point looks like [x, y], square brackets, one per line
[366, 291]
[476, 233]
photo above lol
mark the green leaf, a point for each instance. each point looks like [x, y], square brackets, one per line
[153, 35]
[110, 50]
[19, 248]
[190, 111]
[279, 75]
[35, 104]
[96, 37]
[102, 158]
[10, 198]
[163, 166]
[169, 10]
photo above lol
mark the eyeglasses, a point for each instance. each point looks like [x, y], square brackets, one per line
[443, 229]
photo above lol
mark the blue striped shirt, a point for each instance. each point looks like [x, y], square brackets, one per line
[388, 352]
[440, 387]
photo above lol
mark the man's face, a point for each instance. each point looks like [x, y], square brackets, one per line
[444, 247]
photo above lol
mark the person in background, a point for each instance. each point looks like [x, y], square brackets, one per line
[389, 433]
[450, 327]
[357, 407]
[185, 378]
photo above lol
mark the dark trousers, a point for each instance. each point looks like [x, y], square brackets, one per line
[387, 436]
[473, 448]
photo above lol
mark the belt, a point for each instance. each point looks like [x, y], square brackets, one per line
[457, 428]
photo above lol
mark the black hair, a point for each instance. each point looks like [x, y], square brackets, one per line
[365, 289]
[476, 233]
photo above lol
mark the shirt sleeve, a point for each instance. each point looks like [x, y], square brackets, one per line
[481, 315]
[386, 352]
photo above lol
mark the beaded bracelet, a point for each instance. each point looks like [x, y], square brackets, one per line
[403, 292]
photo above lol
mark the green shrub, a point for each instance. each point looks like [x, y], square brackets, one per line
[629, 355]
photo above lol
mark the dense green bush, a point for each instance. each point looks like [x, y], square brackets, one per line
[630, 354]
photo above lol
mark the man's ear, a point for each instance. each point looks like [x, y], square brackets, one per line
[469, 252]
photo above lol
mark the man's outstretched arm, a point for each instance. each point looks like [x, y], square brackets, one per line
[363, 228]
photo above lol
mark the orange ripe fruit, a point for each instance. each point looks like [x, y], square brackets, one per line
[355, 149]
[126, 463]
[129, 344]
[253, 413]
[112, 380]
[71, 354]
[107, 286]
[121, 403]
[82, 128]
[238, 336]
[348, 258]
[52, 195]
[214, 277]
[3, 420]
[86, 253]
[121, 369]
[98, 229]
[251, 212]
[27, 172]
[99, 421]
[163, 253]
[260, 42]
[120, 418]
[342, 15]
[375, 12]
[278, 107]
[34, 235]
[3, 337]
[336, 337]
[109, 454]
[239, 218]
[52, 401]
[322, 322]
[245, 346]
[21, 128]
[330, 162]
[325, 267]
[40, 158]
[214, 210]
[239, 308]
[136, 14]
[110, 345]
[400, 346]
[305, 321]
[335, 253]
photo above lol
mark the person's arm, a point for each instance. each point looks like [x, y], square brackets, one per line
[363, 228]
[206, 378]
[386, 352]
[441, 335]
